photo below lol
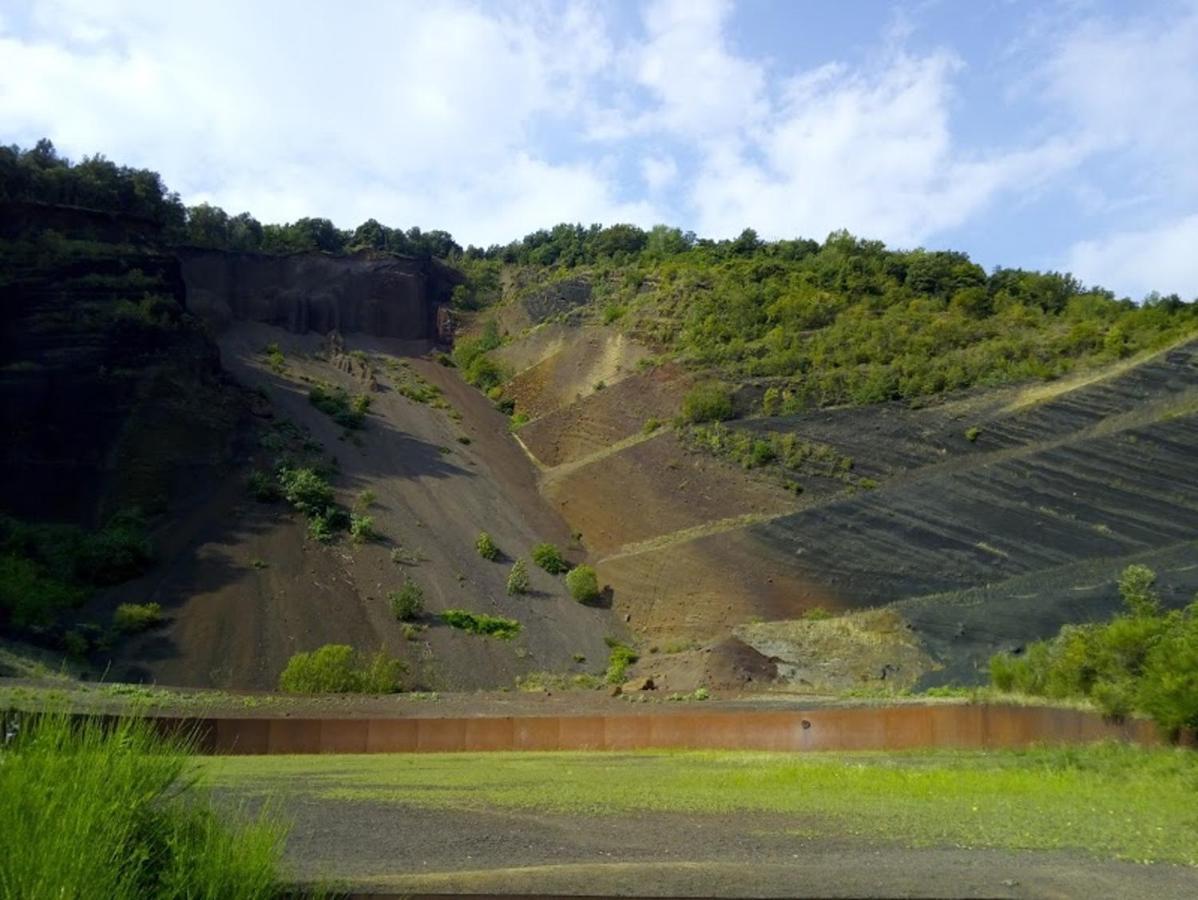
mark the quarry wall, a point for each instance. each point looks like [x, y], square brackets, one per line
[382, 296]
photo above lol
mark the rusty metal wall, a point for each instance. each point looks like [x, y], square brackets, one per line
[861, 728]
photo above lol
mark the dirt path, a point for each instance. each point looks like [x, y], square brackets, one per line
[385, 847]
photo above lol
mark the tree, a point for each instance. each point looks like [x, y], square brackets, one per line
[207, 226]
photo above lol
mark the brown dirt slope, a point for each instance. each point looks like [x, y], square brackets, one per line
[247, 588]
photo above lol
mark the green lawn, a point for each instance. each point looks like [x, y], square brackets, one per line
[1111, 800]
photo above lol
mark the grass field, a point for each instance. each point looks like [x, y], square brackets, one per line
[1109, 800]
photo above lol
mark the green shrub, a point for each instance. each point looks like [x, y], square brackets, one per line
[583, 584]
[275, 358]
[816, 614]
[486, 547]
[708, 402]
[47, 568]
[262, 487]
[339, 669]
[336, 403]
[307, 490]
[364, 500]
[651, 425]
[972, 434]
[361, 528]
[134, 617]
[549, 558]
[618, 661]
[110, 809]
[408, 602]
[517, 579]
[1142, 660]
[320, 528]
[1168, 686]
[480, 623]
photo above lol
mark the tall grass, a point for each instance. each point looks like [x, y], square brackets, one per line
[92, 809]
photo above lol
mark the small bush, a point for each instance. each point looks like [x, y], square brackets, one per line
[307, 490]
[335, 403]
[320, 528]
[517, 579]
[364, 500]
[361, 528]
[618, 661]
[549, 558]
[583, 584]
[710, 402]
[972, 434]
[275, 358]
[486, 547]
[479, 623]
[408, 602]
[816, 614]
[262, 487]
[339, 669]
[133, 617]
[651, 425]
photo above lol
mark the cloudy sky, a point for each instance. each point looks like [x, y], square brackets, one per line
[1042, 134]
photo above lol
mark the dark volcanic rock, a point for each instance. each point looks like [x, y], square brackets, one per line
[383, 296]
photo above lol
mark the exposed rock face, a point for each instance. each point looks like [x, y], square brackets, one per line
[112, 396]
[387, 297]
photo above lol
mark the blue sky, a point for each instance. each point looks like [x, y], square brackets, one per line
[1043, 134]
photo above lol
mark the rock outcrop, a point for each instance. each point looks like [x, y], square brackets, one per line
[383, 296]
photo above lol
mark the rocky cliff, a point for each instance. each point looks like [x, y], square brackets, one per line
[382, 296]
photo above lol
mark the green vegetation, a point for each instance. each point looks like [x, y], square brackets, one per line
[972, 434]
[549, 558]
[621, 657]
[756, 450]
[1107, 800]
[708, 402]
[110, 810]
[558, 681]
[336, 403]
[1143, 660]
[486, 547]
[364, 500]
[263, 487]
[517, 579]
[583, 584]
[651, 425]
[482, 624]
[47, 568]
[361, 528]
[408, 602]
[309, 491]
[275, 358]
[340, 669]
[130, 618]
[470, 354]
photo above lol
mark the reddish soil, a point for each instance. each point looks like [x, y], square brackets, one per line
[248, 589]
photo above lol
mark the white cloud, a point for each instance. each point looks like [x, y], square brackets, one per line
[389, 110]
[659, 172]
[1161, 258]
[868, 151]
